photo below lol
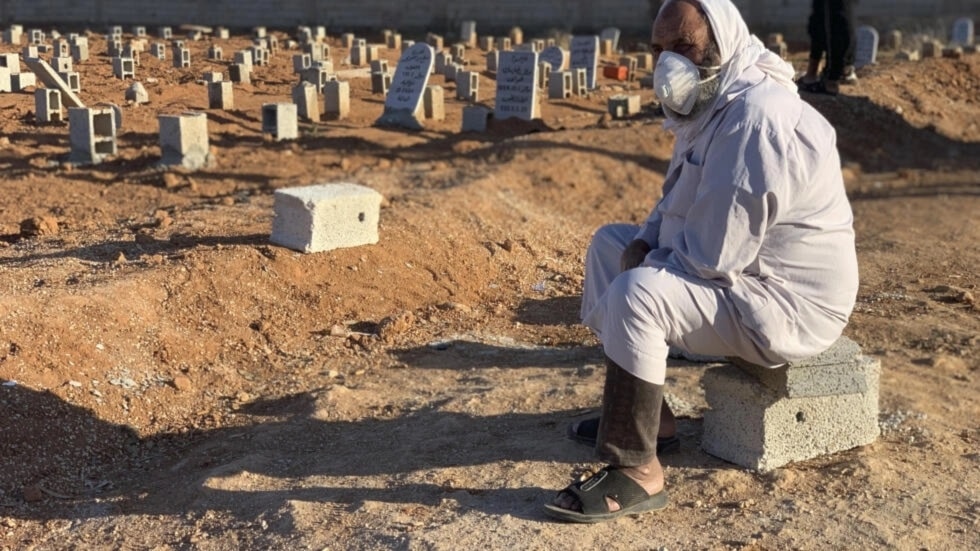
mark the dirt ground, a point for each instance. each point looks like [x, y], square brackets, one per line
[172, 380]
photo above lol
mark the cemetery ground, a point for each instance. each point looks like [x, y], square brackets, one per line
[174, 381]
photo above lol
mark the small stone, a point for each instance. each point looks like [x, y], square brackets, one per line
[137, 94]
[170, 180]
[162, 219]
[33, 493]
[338, 330]
[39, 226]
[395, 325]
[182, 383]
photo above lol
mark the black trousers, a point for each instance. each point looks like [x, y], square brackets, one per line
[831, 30]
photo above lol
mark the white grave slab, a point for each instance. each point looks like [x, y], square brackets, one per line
[963, 31]
[612, 34]
[405, 95]
[554, 56]
[517, 78]
[866, 52]
[585, 54]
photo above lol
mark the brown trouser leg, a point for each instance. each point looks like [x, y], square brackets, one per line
[630, 418]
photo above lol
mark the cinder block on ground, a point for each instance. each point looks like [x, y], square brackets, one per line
[468, 86]
[123, 67]
[757, 427]
[560, 85]
[307, 101]
[336, 99]
[4, 79]
[624, 105]
[239, 72]
[221, 95]
[47, 106]
[841, 369]
[184, 140]
[434, 103]
[325, 217]
[11, 61]
[475, 118]
[91, 133]
[20, 81]
[280, 120]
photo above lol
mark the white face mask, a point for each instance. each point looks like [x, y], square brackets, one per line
[676, 80]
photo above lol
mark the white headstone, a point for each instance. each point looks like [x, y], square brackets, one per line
[554, 56]
[517, 85]
[866, 51]
[585, 54]
[963, 31]
[467, 32]
[407, 87]
[612, 34]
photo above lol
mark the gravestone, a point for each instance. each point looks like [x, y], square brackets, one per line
[517, 79]
[585, 55]
[405, 95]
[963, 31]
[866, 52]
[554, 56]
[467, 33]
[611, 34]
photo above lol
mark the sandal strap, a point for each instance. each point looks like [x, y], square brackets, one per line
[609, 482]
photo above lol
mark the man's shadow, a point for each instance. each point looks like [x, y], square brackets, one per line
[45, 440]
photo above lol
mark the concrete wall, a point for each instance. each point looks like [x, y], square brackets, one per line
[445, 15]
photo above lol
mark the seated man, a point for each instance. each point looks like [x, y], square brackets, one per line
[750, 252]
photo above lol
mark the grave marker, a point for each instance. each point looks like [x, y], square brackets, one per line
[585, 55]
[963, 31]
[467, 33]
[612, 35]
[405, 96]
[517, 79]
[866, 52]
[554, 56]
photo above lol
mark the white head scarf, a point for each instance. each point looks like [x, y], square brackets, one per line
[739, 51]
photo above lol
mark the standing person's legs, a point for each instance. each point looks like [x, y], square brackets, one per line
[848, 11]
[839, 40]
[818, 41]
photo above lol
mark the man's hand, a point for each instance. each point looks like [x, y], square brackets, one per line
[634, 254]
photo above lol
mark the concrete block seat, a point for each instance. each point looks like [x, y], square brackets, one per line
[763, 418]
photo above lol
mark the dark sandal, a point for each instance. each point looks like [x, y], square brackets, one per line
[586, 431]
[592, 493]
[817, 87]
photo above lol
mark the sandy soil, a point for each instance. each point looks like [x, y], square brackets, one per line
[174, 381]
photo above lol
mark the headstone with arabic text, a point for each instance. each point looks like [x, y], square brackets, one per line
[517, 79]
[585, 55]
[405, 94]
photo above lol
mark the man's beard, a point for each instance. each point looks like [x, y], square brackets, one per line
[707, 91]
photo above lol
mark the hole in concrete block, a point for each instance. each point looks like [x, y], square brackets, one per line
[104, 147]
[102, 124]
[800, 417]
[360, 217]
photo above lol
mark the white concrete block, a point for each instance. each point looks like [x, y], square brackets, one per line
[756, 427]
[325, 217]
[184, 140]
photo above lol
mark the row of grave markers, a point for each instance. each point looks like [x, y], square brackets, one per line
[519, 75]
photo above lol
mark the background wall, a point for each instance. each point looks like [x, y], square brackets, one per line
[632, 16]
